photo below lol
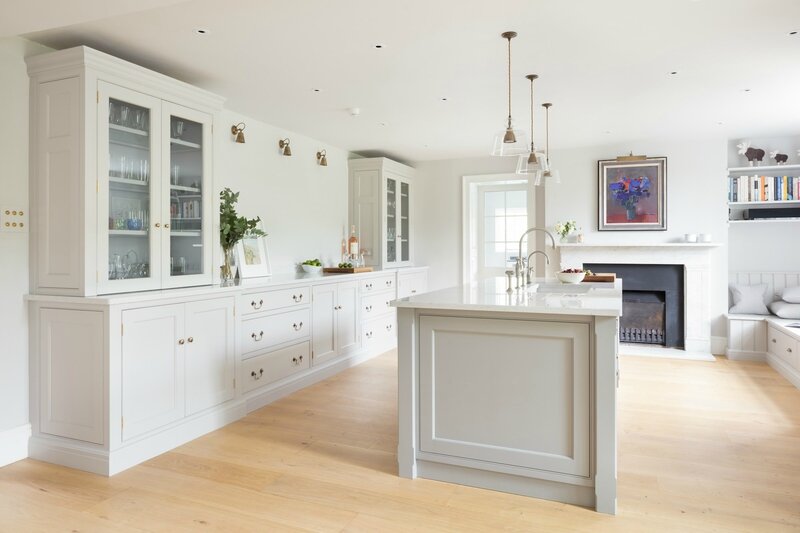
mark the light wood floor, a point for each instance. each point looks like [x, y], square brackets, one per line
[703, 447]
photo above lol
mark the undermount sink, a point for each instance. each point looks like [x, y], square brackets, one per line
[559, 288]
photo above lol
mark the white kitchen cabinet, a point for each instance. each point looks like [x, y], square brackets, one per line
[210, 353]
[335, 325]
[382, 209]
[177, 360]
[152, 368]
[478, 375]
[121, 177]
[411, 283]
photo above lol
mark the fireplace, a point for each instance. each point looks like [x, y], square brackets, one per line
[652, 303]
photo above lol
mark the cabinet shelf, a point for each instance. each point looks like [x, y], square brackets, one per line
[128, 232]
[126, 129]
[129, 185]
[768, 203]
[185, 233]
[184, 188]
[766, 221]
[185, 144]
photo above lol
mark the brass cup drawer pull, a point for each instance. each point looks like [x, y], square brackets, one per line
[257, 305]
[297, 299]
[258, 337]
[297, 360]
[297, 327]
[257, 376]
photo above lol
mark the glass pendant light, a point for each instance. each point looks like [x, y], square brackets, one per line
[510, 142]
[548, 175]
[532, 162]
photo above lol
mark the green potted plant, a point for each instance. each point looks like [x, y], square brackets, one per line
[232, 229]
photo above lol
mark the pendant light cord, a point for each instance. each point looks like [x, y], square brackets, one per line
[547, 133]
[509, 82]
[532, 108]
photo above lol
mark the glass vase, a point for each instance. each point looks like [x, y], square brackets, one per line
[228, 268]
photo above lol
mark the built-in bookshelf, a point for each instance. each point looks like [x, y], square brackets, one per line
[761, 194]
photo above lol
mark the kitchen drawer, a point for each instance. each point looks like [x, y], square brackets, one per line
[782, 346]
[385, 282]
[375, 305]
[259, 371]
[379, 331]
[268, 300]
[265, 331]
[411, 284]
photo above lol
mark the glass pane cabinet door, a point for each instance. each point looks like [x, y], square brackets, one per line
[391, 220]
[188, 247]
[405, 229]
[128, 246]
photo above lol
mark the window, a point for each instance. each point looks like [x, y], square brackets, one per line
[497, 211]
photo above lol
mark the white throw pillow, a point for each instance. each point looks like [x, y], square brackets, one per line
[749, 300]
[791, 295]
[785, 309]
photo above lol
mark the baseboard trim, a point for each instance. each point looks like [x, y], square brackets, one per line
[780, 366]
[14, 444]
[719, 345]
[93, 458]
[742, 355]
[261, 397]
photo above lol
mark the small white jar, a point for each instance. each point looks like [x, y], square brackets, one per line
[690, 237]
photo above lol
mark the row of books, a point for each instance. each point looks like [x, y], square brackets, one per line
[763, 188]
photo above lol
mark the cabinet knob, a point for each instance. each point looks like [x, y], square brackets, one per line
[257, 305]
[295, 361]
[301, 358]
[297, 327]
[388, 283]
[190, 339]
[369, 286]
[258, 375]
[181, 342]
[789, 350]
[258, 337]
[158, 224]
[368, 308]
[369, 334]
[413, 291]
[166, 226]
[389, 327]
[773, 340]
[296, 298]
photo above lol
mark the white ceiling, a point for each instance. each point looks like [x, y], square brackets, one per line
[604, 64]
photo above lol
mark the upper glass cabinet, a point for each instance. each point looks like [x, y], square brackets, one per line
[398, 222]
[153, 193]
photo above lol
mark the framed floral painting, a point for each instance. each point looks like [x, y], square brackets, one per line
[632, 194]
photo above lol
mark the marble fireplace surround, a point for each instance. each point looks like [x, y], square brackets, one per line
[696, 261]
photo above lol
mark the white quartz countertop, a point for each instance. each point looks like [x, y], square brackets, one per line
[541, 297]
[245, 286]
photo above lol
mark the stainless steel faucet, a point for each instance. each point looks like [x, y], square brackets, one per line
[530, 268]
[519, 267]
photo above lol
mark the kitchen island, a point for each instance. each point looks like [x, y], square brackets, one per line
[513, 392]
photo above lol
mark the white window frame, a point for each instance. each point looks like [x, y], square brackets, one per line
[471, 185]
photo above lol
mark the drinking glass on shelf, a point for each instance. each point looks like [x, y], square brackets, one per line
[113, 113]
[176, 174]
[124, 115]
[138, 119]
[177, 129]
[181, 265]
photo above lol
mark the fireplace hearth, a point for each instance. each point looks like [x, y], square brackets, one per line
[652, 303]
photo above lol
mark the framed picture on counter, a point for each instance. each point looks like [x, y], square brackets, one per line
[252, 257]
[632, 195]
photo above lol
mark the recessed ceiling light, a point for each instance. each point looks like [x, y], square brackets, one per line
[201, 31]
[381, 123]
[720, 123]
[444, 98]
[746, 90]
[378, 45]
[793, 32]
[316, 90]
[673, 73]
[607, 132]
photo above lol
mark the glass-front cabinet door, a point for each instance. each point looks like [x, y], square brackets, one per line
[404, 237]
[391, 220]
[128, 189]
[187, 191]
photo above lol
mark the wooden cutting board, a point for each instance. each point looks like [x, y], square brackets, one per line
[352, 270]
[598, 277]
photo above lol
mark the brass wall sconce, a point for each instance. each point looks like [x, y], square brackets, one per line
[283, 144]
[322, 158]
[237, 131]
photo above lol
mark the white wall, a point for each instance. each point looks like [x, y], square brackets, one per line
[14, 246]
[696, 203]
[302, 205]
[755, 247]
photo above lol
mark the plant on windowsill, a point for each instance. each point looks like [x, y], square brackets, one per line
[232, 229]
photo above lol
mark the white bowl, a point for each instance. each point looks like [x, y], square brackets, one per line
[571, 277]
[311, 269]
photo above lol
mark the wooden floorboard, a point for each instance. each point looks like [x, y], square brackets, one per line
[704, 446]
